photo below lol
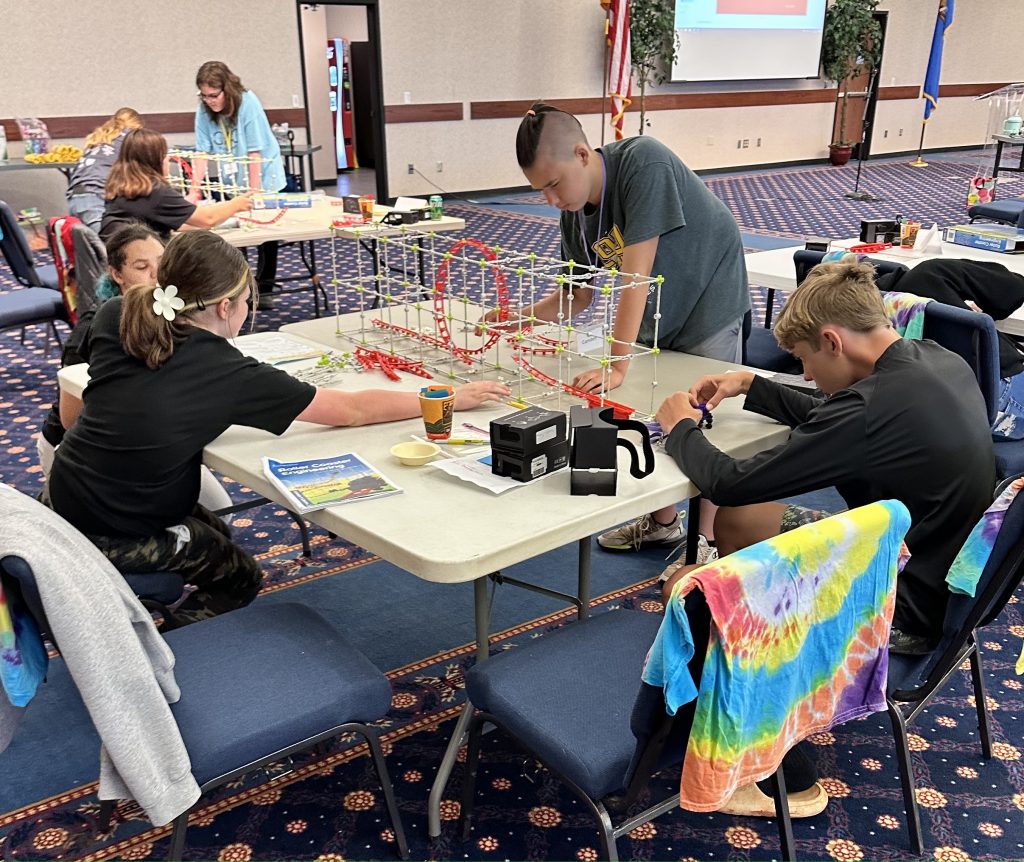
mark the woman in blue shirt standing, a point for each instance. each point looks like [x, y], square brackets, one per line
[230, 120]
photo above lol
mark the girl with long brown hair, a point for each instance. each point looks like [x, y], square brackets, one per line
[165, 381]
[137, 190]
[88, 177]
[230, 120]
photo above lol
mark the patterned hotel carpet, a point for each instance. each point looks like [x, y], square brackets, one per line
[810, 201]
[330, 808]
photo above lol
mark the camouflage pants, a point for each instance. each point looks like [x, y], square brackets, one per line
[225, 576]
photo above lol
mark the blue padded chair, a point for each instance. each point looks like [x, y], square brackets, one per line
[19, 256]
[761, 350]
[1007, 212]
[915, 680]
[257, 685]
[40, 301]
[547, 695]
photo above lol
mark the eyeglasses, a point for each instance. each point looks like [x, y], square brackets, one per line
[210, 97]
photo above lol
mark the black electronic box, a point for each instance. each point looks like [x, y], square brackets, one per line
[879, 230]
[529, 443]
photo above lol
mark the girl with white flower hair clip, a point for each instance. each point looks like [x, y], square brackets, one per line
[165, 380]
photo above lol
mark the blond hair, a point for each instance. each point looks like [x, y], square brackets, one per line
[841, 294]
[124, 118]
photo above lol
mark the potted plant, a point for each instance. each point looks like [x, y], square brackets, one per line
[851, 43]
[653, 43]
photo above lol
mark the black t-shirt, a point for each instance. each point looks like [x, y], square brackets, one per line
[916, 430]
[129, 467]
[74, 352]
[164, 209]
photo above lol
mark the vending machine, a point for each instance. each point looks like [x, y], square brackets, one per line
[339, 68]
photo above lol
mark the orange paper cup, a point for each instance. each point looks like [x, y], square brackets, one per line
[438, 410]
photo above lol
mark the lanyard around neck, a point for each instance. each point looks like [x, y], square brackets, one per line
[581, 221]
[226, 133]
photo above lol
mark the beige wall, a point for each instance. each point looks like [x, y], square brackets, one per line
[73, 57]
[314, 44]
[538, 48]
[346, 22]
[466, 50]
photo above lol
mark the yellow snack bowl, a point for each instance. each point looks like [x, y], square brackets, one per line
[414, 453]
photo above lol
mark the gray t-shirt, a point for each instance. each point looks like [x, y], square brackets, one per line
[89, 176]
[649, 192]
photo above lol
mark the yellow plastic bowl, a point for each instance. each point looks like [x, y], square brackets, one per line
[415, 454]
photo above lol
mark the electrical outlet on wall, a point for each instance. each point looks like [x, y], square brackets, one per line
[296, 101]
[440, 167]
[412, 168]
[710, 140]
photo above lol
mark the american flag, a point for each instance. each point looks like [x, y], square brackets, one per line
[620, 63]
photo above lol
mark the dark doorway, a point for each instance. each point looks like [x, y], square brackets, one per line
[366, 93]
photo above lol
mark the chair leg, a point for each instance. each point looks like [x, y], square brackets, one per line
[787, 846]
[307, 549]
[980, 703]
[899, 734]
[107, 807]
[389, 792]
[177, 848]
[606, 832]
[475, 732]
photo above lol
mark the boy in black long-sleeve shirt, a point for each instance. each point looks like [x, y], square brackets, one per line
[900, 420]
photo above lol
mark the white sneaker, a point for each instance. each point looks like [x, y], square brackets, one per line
[705, 554]
[642, 532]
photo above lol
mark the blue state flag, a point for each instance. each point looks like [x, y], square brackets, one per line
[930, 90]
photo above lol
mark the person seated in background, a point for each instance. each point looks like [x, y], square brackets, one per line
[899, 419]
[137, 190]
[980, 286]
[89, 177]
[166, 381]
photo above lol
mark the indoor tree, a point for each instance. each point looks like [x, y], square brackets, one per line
[653, 43]
[851, 43]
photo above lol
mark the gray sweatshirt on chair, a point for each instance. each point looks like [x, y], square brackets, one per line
[123, 668]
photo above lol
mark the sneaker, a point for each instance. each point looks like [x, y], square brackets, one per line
[265, 302]
[908, 644]
[642, 532]
[705, 554]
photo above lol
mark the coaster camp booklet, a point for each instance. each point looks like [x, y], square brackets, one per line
[321, 482]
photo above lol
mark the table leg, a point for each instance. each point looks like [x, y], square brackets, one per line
[583, 585]
[995, 167]
[444, 770]
[692, 529]
[769, 308]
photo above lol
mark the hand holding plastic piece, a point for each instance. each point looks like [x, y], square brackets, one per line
[710, 391]
[674, 409]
